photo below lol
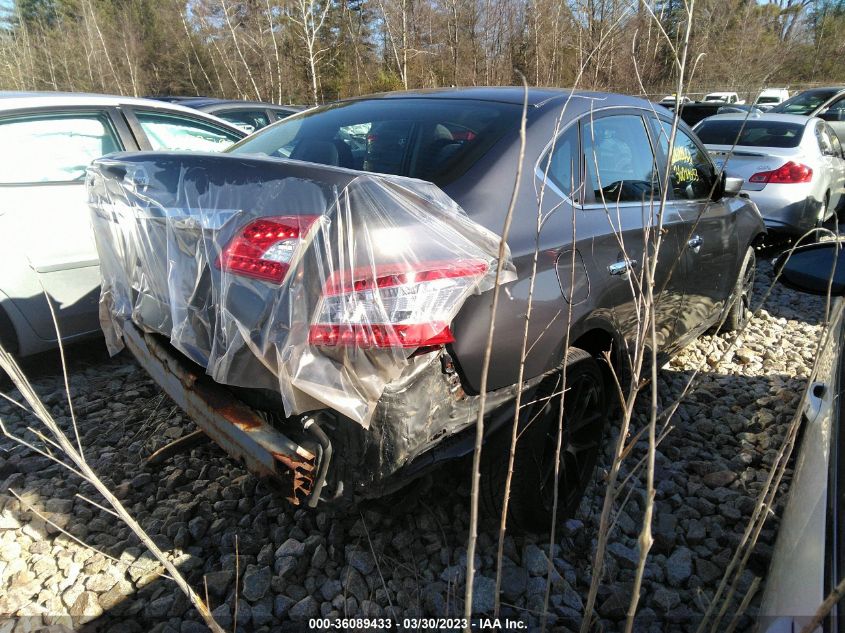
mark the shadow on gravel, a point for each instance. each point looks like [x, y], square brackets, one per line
[404, 556]
[399, 557]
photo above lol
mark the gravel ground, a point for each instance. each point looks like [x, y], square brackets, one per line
[402, 557]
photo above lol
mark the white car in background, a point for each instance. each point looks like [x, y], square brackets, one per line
[48, 141]
[792, 166]
[770, 97]
[723, 97]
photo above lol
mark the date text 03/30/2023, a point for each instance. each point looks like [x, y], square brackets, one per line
[416, 624]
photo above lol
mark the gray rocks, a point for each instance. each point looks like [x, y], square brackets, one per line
[534, 560]
[306, 608]
[514, 582]
[256, 583]
[679, 567]
[626, 557]
[197, 527]
[85, 608]
[483, 594]
[290, 547]
[297, 564]
[720, 479]
[219, 582]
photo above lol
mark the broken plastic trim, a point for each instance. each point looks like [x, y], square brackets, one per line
[235, 427]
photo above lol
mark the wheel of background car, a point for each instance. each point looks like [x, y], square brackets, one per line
[532, 487]
[739, 312]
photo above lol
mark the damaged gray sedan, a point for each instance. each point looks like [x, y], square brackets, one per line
[318, 298]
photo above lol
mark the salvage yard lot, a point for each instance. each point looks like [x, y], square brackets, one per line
[403, 556]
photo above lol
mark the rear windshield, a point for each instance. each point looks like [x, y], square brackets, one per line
[431, 139]
[752, 134]
[805, 103]
[768, 100]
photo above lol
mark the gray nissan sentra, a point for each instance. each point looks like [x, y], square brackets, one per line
[244, 283]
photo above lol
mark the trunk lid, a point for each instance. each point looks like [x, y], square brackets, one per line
[311, 280]
[744, 162]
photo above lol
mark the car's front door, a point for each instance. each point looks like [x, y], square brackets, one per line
[831, 152]
[45, 231]
[623, 187]
[710, 254]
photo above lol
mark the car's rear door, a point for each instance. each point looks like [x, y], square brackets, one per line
[622, 185]
[45, 231]
[710, 252]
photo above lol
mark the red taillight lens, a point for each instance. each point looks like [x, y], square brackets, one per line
[786, 174]
[397, 305]
[264, 248]
[375, 335]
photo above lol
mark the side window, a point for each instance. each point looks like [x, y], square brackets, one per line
[834, 140]
[691, 173]
[174, 132]
[619, 159]
[560, 165]
[283, 114]
[837, 106]
[53, 148]
[823, 140]
[247, 120]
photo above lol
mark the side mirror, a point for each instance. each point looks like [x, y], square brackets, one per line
[733, 185]
[832, 115]
[728, 186]
[810, 267]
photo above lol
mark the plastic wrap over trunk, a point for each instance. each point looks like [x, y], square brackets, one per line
[317, 282]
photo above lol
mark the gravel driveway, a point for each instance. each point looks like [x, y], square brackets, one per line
[404, 556]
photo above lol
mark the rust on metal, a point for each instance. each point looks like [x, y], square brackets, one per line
[235, 427]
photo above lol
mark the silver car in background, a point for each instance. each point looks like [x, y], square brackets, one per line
[49, 138]
[792, 166]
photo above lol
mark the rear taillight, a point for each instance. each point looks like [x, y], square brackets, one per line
[399, 305]
[264, 248]
[786, 174]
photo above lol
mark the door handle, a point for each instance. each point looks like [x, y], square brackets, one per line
[695, 243]
[622, 267]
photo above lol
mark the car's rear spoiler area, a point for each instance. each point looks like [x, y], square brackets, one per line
[317, 282]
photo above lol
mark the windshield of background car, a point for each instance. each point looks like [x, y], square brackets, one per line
[764, 100]
[750, 133]
[430, 139]
[805, 103]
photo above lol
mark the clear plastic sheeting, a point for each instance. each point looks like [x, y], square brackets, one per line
[316, 282]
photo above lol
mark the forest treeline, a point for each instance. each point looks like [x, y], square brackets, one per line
[305, 51]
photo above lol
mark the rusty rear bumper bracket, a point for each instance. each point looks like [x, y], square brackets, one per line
[235, 427]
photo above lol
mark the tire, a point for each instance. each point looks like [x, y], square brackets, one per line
[739, 312]
[532, 486]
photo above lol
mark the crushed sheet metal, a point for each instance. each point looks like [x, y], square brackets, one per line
[230, 423]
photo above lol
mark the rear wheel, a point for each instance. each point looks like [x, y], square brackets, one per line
[739, 312]
[532, 493]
